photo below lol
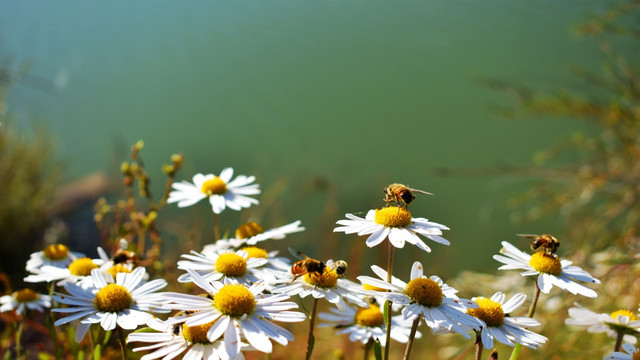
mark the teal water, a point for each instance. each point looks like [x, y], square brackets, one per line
[353, 94]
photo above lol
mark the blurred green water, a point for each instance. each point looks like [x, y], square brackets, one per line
[352, 94]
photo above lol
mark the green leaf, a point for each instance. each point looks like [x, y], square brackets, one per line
[377, 349]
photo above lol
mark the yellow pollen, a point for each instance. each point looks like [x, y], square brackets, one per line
[214, 186]
[396, 217]
[614, 315]
[25, 295]
[373, 288]
[546, 263]
[256, 252]
[248, 230]
[118, 268]
[112, 298]
[231, 264]
[82, 267]
[371, 317]
[56, 252]
[328, 278]
[234, 300]
[488, 311]
[424, 291]
[197, 334]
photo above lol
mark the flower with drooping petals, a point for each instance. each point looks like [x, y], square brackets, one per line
[238, 311]
[502, 327]
[549, 269]
[396, 224]
[428, 297]
[619, 321]
[24, 299]
[124, 303]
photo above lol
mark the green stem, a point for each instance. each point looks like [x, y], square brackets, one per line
[388, 302]
[532, 310]
[412, 335]
[619, 336]
[479, 346]
[216, 227]
[123, 343]
[19, 329]
[312, 323]
[50, 324]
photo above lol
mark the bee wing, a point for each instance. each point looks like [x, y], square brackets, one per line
[420, 191]
[530, 236]
[298, 254]
[330, 263]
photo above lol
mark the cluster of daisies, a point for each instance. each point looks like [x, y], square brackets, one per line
[242, 289]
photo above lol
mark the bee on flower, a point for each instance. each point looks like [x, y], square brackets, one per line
[549, 269]
[395, 224]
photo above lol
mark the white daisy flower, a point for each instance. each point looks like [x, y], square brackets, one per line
[76, 271]
[428, 297]
[396, 224]
[172, 340]
[366, 324]
[123, 303]
[24, 299]
[621, 320]
[252, 233]
[56, 255]
[631, 353]
[328, 285]
[235, 311]
[221, 191]
[549, 269]
[499, 325]
[224, 264]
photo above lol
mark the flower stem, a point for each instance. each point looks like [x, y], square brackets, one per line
[619, 336]
[312, 322]
[532, 310]
[123, 343]
[216, 227]
[388, 302]
[18, 338]
[51, 319]
[367, 349]
[478, 345]
[412, 335]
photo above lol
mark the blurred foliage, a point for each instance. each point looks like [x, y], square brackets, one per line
[28, 178]
[596, 192]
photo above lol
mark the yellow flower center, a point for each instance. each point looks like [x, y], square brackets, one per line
[396, 217]
[118, 268]
[112, 298]
[488, 311]
[234, 300]
[196, 334]
[424, 291]
[248, 230]
[328, 278]
[56, 252]
[628, 313]
[231, 264]
[546, 263]
[25, 295]
[256, 252]
[373, 288]
[370, 317]
[82, 267]
[214, 186]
